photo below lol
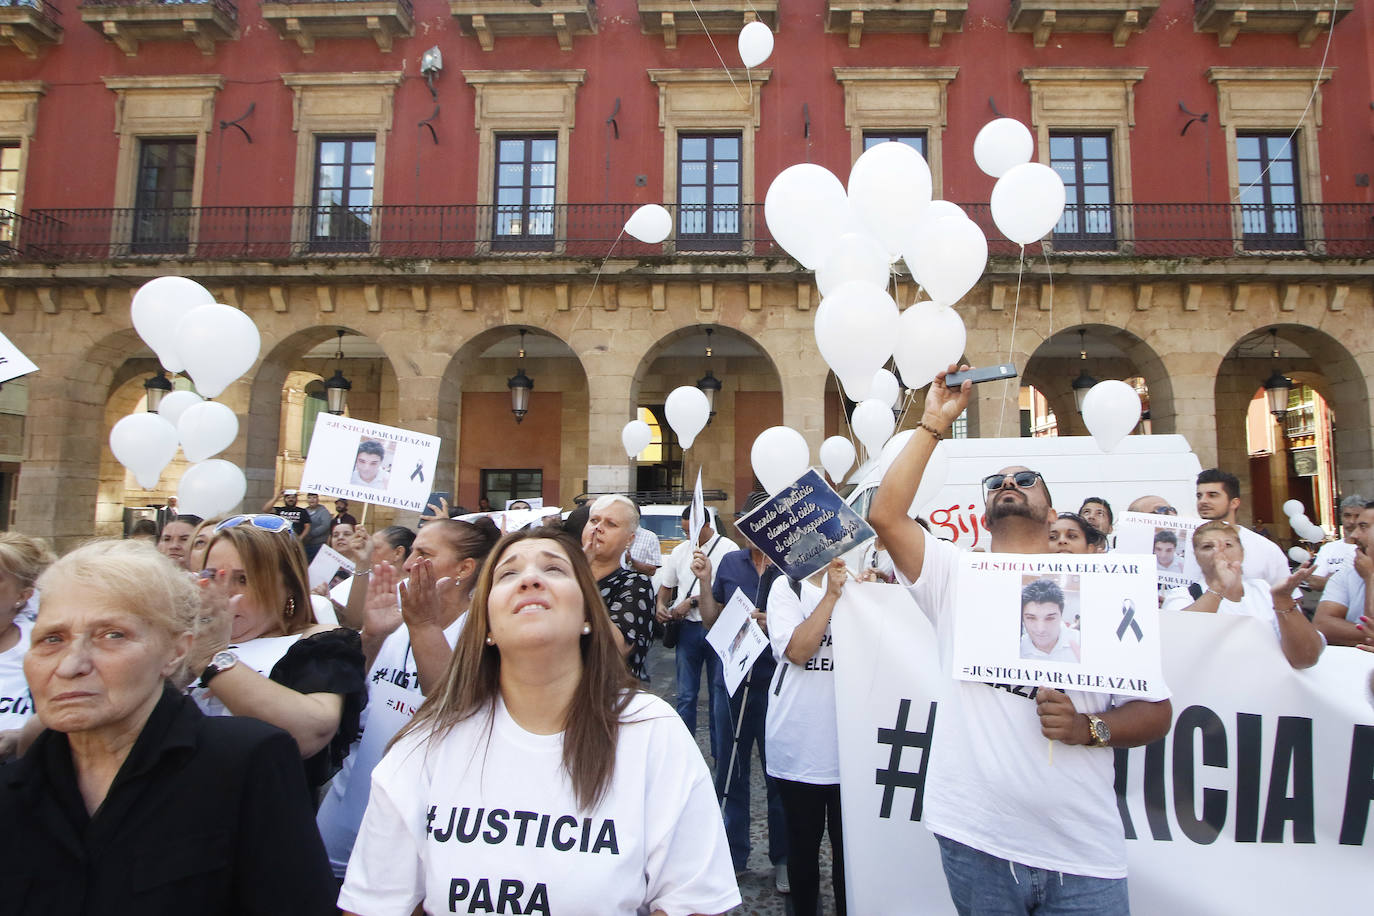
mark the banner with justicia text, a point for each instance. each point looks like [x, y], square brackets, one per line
[1260, 799]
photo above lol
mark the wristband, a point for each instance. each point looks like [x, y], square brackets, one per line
[930, 429]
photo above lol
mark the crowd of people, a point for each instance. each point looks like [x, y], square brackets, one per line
[458, 720]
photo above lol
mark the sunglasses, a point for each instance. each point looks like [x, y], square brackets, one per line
[265, 522]
[1164, 510]
[1023, 479]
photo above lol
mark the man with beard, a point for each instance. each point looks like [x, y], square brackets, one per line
[1006, 820]
[1345, 601]
[1218, 499]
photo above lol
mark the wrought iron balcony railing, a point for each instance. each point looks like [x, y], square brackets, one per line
[1146, 231]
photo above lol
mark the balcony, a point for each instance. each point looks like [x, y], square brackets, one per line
[29, 24]
[671, 18]
[932, 18]
[129, 22]
[465, 232]
[305, 23]
[1306, 19]
[1043, 18]
[561, 18]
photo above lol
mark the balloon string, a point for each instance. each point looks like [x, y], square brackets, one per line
[1049, 273]
[595, 281]
[707, 32]
[1015, 313]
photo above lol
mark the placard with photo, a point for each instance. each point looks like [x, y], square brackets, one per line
[370, 463]
[1168, 537]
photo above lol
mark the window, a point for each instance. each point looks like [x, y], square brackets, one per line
[526, 184]
[1267, 170]
[1084, 162]
[344, 177]
[166, 178]
[708, 192]
[501, 485]
[916, 139]
[10, 154]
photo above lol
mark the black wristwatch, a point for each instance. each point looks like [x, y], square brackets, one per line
[221, 663]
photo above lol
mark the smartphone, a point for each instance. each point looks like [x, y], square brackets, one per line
[977, 376]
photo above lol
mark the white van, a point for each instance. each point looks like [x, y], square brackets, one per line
[1073, 467]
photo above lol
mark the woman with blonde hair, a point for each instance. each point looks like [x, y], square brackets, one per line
[131, 800]
[22, 559]
[267, 656]
[536, 774]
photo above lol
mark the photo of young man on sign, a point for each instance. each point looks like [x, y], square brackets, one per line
[372, 463]
[1045, 631]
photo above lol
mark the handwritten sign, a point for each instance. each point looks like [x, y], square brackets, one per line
[1168, 537]
[737, 639]
[13, 363]
[804, 526]
[370, 463]
[1067, 621]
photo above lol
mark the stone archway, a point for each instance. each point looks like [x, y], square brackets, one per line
[1112, 353]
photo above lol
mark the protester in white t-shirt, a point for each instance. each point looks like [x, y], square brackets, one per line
[1218, 497]
[22, 559]
[408, 647]
[1334, 555]
[538, 778]
[801, 735]
[1005, 818]
[1217, 547]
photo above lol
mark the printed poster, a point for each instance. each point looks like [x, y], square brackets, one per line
[737, 639]
[327, 564]
[1085, 622]
[1168, 537]
[804, 526]
[13, 363]
[370, 463]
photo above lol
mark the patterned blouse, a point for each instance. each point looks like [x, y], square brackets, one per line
[629, 598]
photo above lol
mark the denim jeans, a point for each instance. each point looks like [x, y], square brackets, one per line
[694, 653]
[984, 885]
[751, 732]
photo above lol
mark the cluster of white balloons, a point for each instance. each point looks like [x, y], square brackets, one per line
[1303, 526]
[214, 345]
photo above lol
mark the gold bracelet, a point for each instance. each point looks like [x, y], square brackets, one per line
[930, 429]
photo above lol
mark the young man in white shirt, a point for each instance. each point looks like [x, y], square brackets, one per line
[1006, 820]
[1043, 634]
[1218, 498]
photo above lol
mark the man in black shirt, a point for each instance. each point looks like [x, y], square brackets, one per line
[299, 517]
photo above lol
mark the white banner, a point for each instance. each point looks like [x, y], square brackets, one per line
[1260, 800]
[13, 363]
[1073, 622]
[1168, 537]
[370, 462]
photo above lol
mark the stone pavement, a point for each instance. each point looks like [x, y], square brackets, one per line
[755, 885]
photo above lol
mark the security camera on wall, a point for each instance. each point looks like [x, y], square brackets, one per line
[431, 62]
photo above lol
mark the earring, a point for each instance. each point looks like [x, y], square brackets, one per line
[290, 607]
[490, 641]
[457, 581]
[586, 629]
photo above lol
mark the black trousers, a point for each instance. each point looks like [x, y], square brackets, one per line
[811, 810]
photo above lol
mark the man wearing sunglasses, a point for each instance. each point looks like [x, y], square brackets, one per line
[1014, 831]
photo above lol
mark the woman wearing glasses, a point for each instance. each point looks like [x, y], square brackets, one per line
[265, 655]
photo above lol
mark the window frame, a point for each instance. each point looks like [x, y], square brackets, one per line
[548, 213]
[342, 242]
[1084, 213]
[871, 138]
[484, 483]
[710, 240]
[168, 232]
[1271, 239]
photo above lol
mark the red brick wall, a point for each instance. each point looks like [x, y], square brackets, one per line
[490, 438]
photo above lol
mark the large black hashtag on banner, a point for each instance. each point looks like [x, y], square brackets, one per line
[894, 777]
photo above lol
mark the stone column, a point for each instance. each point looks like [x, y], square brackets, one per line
[609, 408]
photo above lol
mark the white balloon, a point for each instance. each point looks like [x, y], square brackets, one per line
[873, 424]
[175, 402]
[947, 257]
[855, 327]
[144, 443]
[1110, 411]
[755, 43]
[1305, 529]
[932, 481]
[938, 210]
[889, 189]
[218, 344]
[1293, 507]
[1027, 202]
[885, 388]
[214, 487]
[930, 337]
[206, 429]
[837, 457]
[687, 411]
[806, 210]
[1001, 145]
[158, 306]
[1298, 555]
[854, 257]
[636, 436]
[650, 223]
[779, 456]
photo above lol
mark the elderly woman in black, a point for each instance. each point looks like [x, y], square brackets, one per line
[131, 800]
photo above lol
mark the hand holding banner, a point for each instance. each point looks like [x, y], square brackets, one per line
[370, 463]
[804, 526]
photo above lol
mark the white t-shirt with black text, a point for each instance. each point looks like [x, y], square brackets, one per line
[989, 784]
[800, 732]
[1331, 557]
[16, 704]
[484, 820]
[393, 697]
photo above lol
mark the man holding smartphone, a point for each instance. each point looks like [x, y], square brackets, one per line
[1014, 831]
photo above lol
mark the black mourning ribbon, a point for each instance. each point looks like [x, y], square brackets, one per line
[1128, 622]
[419, 471]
